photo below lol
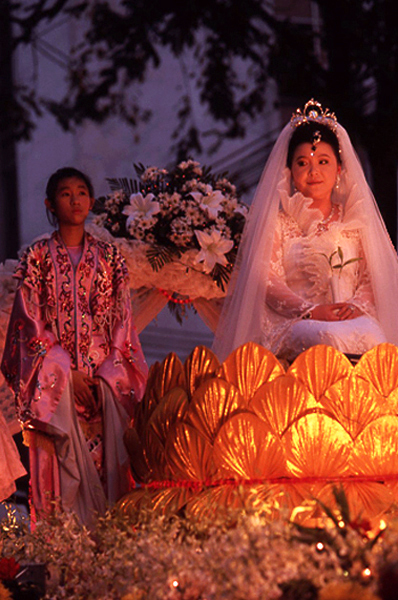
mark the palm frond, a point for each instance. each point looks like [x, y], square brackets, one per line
[221, 275]
[129, 186]
[158, 256]
[179, 311]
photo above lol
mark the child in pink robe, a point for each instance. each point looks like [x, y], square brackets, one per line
[73, 358]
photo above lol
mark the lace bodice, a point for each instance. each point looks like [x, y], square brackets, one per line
[300, 274]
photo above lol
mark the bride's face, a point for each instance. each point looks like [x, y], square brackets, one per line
[314, 170]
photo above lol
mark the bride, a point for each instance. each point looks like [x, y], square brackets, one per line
[316, 265]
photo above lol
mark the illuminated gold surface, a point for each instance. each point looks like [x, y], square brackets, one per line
[170, 410]
[169, 376]
[135, 450]
[189, 455]
[216, 502]
[317, 445]
[280, 402]
[321, 423]
[199, 366]
[379, 366]
[249, 367]
[354, 403]
[375, 450]
[320, 367]
[212, 404]
[246, 448]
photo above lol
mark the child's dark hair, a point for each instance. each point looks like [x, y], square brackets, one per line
[306, 132]
[54, 181]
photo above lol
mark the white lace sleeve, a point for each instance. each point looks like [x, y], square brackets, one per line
[279, 296]
[363, 297]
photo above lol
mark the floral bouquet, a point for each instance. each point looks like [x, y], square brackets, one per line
[182, 229]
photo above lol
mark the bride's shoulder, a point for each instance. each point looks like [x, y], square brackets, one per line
[286, 223]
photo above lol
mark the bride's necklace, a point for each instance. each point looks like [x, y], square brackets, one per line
[324, 224]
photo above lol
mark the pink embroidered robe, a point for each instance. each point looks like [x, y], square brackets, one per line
[11, 467]
[68, 318]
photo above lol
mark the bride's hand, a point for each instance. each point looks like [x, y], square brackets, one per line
[340, 311]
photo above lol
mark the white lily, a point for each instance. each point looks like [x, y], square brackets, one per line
[213, 249]
[140, 206]
[210, 201]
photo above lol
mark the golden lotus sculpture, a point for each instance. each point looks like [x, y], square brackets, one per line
[249, 433]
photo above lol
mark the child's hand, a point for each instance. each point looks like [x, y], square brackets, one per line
[85, 393]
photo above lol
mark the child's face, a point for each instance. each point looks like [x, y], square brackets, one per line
[72, 201]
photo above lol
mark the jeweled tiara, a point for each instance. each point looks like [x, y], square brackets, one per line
[314, 113]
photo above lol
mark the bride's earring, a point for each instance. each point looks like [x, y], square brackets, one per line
[337, 182]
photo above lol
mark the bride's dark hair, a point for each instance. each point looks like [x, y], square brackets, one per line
[306, 133]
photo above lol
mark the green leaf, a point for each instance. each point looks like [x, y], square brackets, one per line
[158, 256]
[328, 511]
[342, 502]
[351, 260]
[179, 311]
[221, 275]
[129, 186]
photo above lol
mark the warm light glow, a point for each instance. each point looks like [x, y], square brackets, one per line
[318, 419]
[175, 583]
[320, 546]
[366, 572]
[382, 525]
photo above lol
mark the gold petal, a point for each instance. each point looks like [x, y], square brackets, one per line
[212, 404]
[317, 446]
[170, 500]
[376, 448]
[280, 402]
[143, 501]
[149, 401]
[368, 500]
[170, 409]
[250, 366]
[246, 448]
[200, 365]
[379, 366]
[138, 463]
[168, 412]
[320, 367]
[155, 456]
[354, 403]
[215, 503]
[162, 377]
[389, 406]
[170, 375]
[224, 501]
[188, 453]
[131, 504]
[375, 453]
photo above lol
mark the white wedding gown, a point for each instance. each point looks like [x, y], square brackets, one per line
[300, 278]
